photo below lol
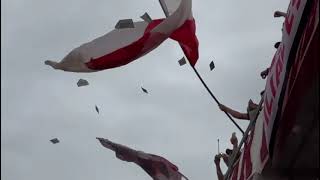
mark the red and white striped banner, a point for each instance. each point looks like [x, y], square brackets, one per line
[278, 68]
[255, 153]
[122, 46]
[300, 69]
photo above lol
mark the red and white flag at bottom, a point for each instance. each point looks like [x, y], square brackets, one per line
[157, 167]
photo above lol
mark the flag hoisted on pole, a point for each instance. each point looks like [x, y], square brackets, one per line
[128, 42]
[168, 7]
[125, 43]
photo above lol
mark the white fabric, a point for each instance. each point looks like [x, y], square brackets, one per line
[177, 17]
[240, 167]
[119, 38]
[257, 164]
[105, 44]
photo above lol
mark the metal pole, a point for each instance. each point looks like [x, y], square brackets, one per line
[215, 99]
[165, 10]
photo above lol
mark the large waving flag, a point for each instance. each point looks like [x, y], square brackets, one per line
[126, 44]
[156, 166]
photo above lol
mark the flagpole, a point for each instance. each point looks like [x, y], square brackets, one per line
[218, 147]
[215, 99]
[166, 12]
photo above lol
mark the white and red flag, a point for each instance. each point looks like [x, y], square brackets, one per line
[156, 166]
[124, 45]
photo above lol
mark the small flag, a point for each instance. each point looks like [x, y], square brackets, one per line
[55, 141]
[124, 23]
[211, 66]
[82, 82]
[182, 61]
[146, 17]
[218, 147]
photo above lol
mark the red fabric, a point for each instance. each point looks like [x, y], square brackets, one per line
[185, 35]
[152, 164]
[235, 172]
[157, 165]
[246, 165]
[242, 173]
[119, 57]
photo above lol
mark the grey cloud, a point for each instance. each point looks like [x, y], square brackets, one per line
[177, 120]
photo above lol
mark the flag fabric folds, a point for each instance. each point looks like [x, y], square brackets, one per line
[124, 45]
[156, 166]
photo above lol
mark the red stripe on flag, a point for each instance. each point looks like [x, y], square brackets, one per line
[185, 35]
[119, 57]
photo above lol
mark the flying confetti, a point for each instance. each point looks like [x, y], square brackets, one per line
[124, 23]
[146, 18]
[212, 66]
[144, 90]
[82, 82]
[55, 141]
[182, 61]
[97, 109]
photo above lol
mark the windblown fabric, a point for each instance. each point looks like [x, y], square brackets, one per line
[124, 45]
[156, 166]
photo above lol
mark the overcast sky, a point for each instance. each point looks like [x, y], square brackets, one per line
[177, 119]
